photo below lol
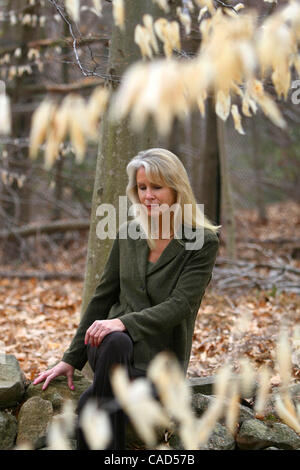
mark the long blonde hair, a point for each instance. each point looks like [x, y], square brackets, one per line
[164, 167]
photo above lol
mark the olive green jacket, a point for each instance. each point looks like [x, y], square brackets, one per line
[158, 306]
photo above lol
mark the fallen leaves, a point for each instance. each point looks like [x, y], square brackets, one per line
[38, 320]
[218, 335]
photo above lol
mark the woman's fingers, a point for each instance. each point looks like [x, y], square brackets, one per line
[70, 381]
[48, 380]
[99, 329]
[41, 377]
[92, 333]
[60, 369]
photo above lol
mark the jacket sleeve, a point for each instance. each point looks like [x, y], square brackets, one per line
[184, 300]
[106, 294]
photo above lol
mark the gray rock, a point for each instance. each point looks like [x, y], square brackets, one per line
[33, 422]
[205, 385]
[58, 391]
[200, 403]
[12, 385]
[8, 430]
[254, 434]
[220, 439]
[271, 448]
[202, 385]
[294, 392]
[175, 442]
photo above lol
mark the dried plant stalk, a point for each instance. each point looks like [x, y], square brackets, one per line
[233, 407]
[96, 426]
[284, 363]
[40, 123]
[264, 377]
[137, 401]
[286, 416]
[5, 114]
[73, 8]
[119, 13]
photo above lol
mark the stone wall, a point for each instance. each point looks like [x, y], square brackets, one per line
[26, 412]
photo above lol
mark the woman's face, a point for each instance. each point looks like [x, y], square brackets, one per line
[153, 195]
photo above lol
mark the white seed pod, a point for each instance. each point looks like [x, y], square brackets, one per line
[96, 426]
[232, 407]
[284, 414]
[148, 22]
[119, 13]
[73, 9]
[237, 119]
[96, 107]
[18, 52]
[185, 19]
[247, 377]
[142, 38]
[283, 360]
[40, 123]
[5, 114]
[136, 399]
[163, 4]
[56, 439]
[223, 103]
[264, 384]
[98, 7]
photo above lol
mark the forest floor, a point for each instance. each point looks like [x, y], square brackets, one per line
[247, 304]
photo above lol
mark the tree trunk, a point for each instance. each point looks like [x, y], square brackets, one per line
[227, 201]
[209, 191]
[118, 144]
[59, 164]
[262, 216]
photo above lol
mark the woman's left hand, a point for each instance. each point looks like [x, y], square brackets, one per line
[100, 328]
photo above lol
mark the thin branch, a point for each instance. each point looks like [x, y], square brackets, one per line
[257, 265]
[51, 227]
[61, 89]
[42, 275]
[61, 12]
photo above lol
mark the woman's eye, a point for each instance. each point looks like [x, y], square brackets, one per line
[157, 187]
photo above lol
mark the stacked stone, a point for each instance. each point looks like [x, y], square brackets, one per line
[26, 412]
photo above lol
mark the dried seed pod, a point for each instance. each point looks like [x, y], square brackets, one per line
[119, 13]
[40, 123]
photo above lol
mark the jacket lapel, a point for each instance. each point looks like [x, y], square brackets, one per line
[174, 248]
[142, 252]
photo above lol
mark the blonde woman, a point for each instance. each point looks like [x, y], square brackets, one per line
[151, 289]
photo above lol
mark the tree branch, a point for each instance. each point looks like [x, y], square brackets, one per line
[51, 227]
[62, 88]
[43, 275]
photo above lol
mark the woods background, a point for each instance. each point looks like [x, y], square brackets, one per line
[250, 184]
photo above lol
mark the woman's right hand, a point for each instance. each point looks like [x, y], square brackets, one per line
[62, 368]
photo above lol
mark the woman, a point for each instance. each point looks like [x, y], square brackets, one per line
[151, 288]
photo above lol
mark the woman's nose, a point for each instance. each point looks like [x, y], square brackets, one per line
[149, 194]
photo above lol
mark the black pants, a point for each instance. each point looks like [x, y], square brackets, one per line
[116, 348]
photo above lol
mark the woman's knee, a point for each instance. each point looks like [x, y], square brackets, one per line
[118, 341]
[116, 347]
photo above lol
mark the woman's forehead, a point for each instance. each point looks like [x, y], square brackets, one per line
[150, 176]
